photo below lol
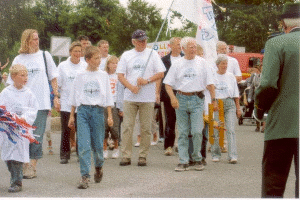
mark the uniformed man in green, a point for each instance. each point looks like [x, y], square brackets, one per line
[278, 94]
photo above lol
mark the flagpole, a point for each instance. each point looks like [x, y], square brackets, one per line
[157, 37]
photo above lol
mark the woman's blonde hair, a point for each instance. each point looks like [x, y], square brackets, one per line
[26, 36]
[109, 60]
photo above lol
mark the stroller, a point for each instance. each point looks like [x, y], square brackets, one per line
[247, 108]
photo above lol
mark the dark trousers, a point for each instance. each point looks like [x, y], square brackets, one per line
[276, 163]
[170, 124]
[65, 149]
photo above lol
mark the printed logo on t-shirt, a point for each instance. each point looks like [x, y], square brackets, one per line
[222, 87]
[92, 89]
[189, 74]
[33, 69]
[70, 78]
[138, 65]
[17, 109]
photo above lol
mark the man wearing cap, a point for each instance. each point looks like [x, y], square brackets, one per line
[278, 94]
[139, 78]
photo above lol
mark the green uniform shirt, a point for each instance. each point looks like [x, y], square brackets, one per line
[279, 86]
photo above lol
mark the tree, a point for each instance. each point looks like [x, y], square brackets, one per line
[15, 17]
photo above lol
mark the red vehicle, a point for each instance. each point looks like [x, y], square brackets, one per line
[243, 59]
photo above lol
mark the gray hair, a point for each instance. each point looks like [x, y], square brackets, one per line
[221, 58]
[172, 40]
[220, 43]
[184, 42]
[292, 22]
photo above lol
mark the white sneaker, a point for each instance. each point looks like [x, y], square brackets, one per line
[215, 160]
[154, 143]
[233, 161]
[137, 144]
[105, 154]
[115, 153]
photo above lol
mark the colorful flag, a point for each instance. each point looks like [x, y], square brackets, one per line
[14, 127]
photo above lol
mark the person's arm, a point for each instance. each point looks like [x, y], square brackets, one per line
[238, 109]
[110, 121]
[71, 123]
[238, 79]
[124, 81]
[5, 64]
[174, 100]
[157, 91]
[158, 76]
[211, 89]
[55, 91]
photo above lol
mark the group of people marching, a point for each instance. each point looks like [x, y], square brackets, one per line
[92, 89]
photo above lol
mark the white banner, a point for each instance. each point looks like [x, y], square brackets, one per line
[201, 13]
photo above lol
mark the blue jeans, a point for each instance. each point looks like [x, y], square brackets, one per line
[189, 117]
[16, 170]
[36, 150]
[230, 118]
[90, 134]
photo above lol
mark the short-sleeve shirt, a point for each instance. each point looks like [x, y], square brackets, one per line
[132, 64]
[226, 86]
[91, 88]
[37, 77]
[189, 75]
[67, 72]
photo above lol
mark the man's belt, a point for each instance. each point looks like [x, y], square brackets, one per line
[199, 94]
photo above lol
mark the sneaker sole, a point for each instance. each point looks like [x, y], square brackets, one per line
[182, 170]
[125, 164]
[142, 164]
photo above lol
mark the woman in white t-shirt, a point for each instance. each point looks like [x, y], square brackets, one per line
[110, 67]
[226, 89]
[67, 71]
[39, 76]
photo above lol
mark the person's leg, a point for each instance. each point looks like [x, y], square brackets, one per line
[115, 132]
[196, 113]
[215, 148]
[16, 170]
[36, 150]
[230, 118]
[154, 128]
[183, 125]
[146, 116]
[97, 135]
[130, 112]
[84, 139]
[170, 125]
[296, 161]
[65, 137]
[106, 135]
[277, 158]
[204, 140]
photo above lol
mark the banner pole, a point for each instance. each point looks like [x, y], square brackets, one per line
[157, 38]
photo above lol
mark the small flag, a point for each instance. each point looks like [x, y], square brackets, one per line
[14, 127]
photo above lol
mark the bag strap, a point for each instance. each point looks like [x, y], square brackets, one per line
[44, 56]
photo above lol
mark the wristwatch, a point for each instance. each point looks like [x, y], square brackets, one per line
[213, 99]
[148, 80]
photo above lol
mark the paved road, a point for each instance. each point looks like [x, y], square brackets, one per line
[158, 179]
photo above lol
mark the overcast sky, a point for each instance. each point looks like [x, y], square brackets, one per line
[164, 4]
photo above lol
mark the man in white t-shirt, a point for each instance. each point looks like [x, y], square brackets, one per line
[233, 64]
[103, 46]
[189, 76]
[139, 94]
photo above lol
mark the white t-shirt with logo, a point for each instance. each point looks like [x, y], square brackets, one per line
[226, 86]
[91, 88]
[103, 62]
[67, 72]
[232, 66]
[189, 75]
[113, 80]
[174, 59]
[37, 77]
[132, 64]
